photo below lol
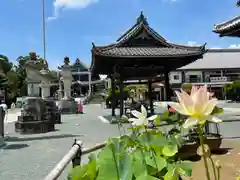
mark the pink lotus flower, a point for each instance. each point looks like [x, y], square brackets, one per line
[198, 106]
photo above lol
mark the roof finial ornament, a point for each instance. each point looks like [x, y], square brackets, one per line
[142, 19]
[93, 45]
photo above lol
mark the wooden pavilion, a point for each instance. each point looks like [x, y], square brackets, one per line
[141, 53]
[230, 28]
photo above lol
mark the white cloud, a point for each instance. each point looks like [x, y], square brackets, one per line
[69, 4]
[192, 43]
[170, 0]
[215, 47]
[236, 46]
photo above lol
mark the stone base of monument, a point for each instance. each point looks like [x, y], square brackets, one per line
[36, 116]
[2, 142]
[67, 106]
[52, 111]
[32, 127]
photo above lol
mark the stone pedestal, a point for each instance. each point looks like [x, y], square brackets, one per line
[34, 117]
[67, 106]
[67, 82]
[45, 90]
[52, 112]
[67, 78]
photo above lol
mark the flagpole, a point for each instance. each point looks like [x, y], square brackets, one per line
[44, 30]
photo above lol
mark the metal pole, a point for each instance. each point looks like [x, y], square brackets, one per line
[44, 30]
[56, 172]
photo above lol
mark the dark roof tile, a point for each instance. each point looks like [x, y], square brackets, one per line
[147, 51]
[227, 26]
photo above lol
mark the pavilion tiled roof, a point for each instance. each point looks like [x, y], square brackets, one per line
[164, 49]
[228, 26]
[146, 52]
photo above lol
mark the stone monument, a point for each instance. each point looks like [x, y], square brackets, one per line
[33, 118]
[67, 104]
[38, 114]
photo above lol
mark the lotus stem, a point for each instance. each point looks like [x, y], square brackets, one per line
[201, 138]
[214, 168]
[218, 173]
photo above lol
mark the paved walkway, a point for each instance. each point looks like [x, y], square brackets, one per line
[31, 157]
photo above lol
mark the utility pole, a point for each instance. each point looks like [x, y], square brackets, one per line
[44, 31]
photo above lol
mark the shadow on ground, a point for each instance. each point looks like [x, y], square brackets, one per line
[221, 151]
[233, 137]
[18, 139]
[15, 146]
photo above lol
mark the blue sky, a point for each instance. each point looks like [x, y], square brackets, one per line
[72, 25]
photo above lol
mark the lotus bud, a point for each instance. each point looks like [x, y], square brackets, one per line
[205, 151]
[217, 164]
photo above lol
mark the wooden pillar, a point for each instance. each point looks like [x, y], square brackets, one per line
[113, 85]
[203, 76]
[121, 86]
[167, 86]
[150, 96]
[183, 77]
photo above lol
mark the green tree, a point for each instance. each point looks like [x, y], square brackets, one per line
[5, 64]
[238, 3]
[12, 85]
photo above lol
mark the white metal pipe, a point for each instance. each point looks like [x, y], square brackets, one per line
[56, 172]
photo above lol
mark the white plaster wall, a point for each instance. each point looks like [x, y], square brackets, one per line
[197, 73]
[175, 81]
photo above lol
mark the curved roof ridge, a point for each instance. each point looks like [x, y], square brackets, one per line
[226, 23]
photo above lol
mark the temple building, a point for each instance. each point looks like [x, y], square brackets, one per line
[229, 28]
[217, 68]
[141, 54]
[83, 80]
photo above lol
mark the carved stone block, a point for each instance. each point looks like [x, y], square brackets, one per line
[33, 127]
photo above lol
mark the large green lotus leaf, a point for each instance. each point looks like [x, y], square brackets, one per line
[155, 161]
[147, 139]
[114, 163]
[78, 173]
[139, 165]
[170, 150]
[146, 177]
[176, 139]
[92, 167]
[128, 141]
[85, 172]
[171, 174]
[184, 168]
